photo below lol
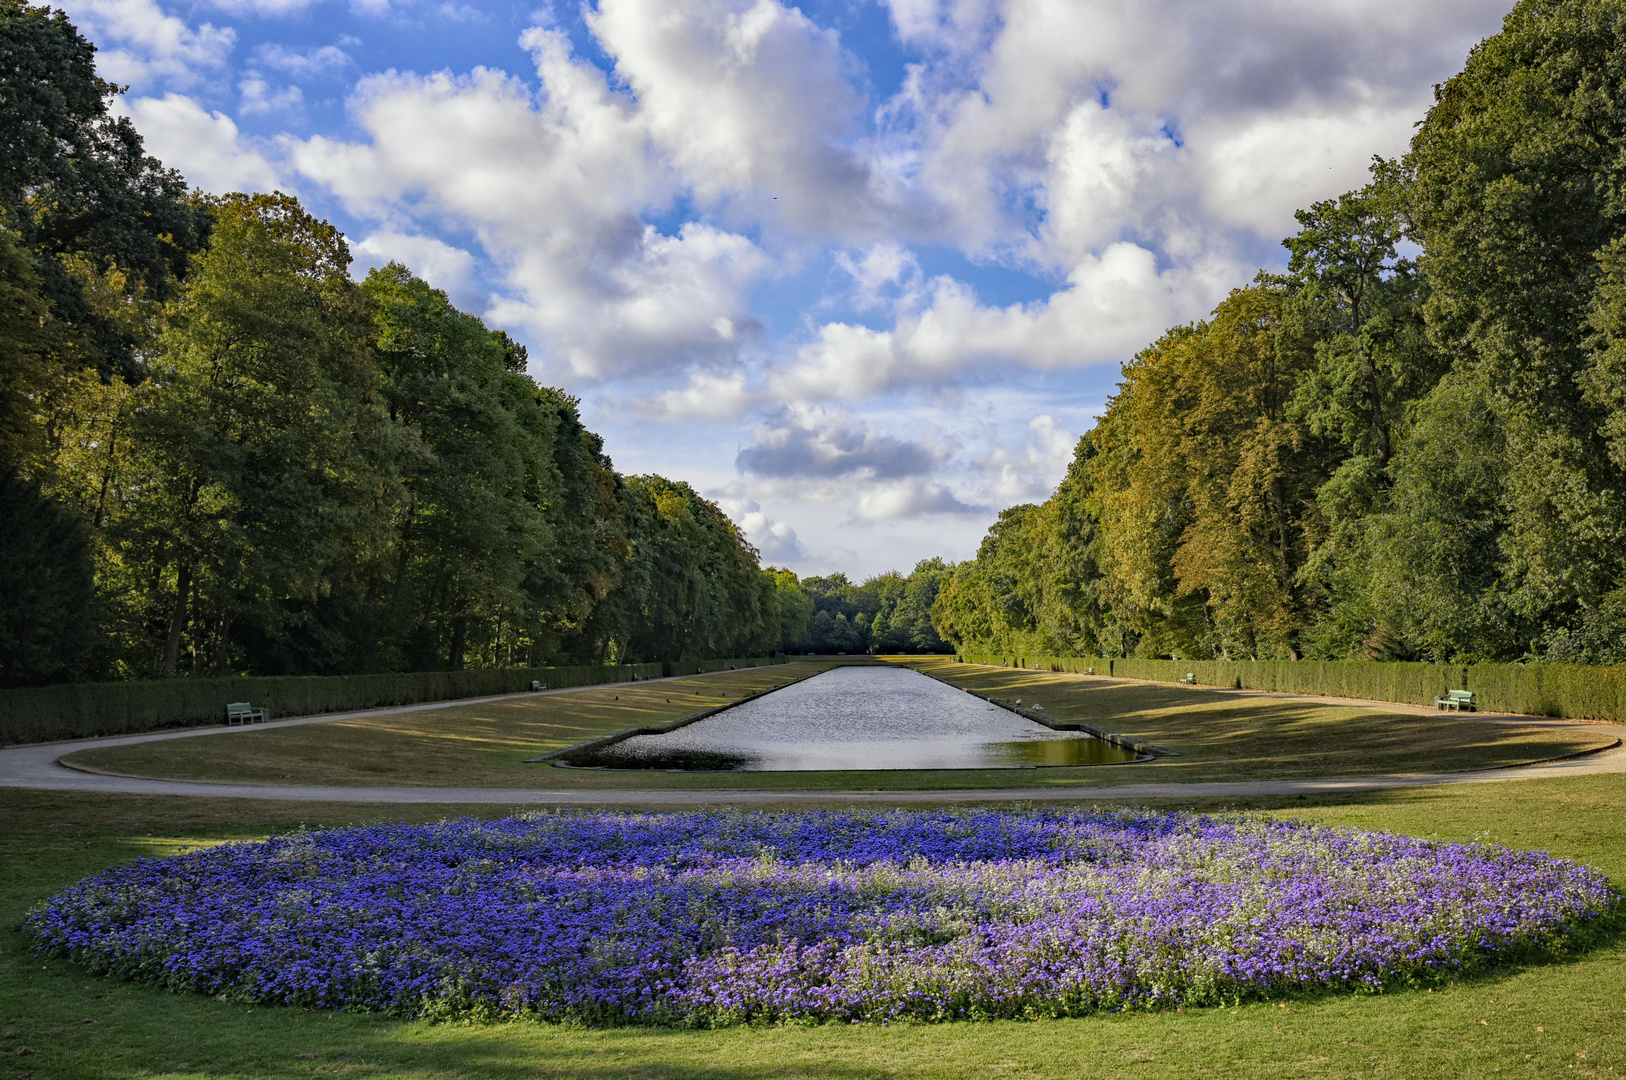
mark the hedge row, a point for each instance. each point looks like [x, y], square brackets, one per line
[1573, 691]
[82, 710]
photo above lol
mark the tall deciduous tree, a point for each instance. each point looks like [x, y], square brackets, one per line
[259, 433]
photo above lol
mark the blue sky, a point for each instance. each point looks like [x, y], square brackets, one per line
[860, 271]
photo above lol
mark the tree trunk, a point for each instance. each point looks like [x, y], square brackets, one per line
[177, 618]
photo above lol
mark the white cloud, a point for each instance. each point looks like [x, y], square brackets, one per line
[206, 147]
[258, 96]
[708, 396]
[1112, 305]
[448, 268]
[267, 9]
[553, 187]
[302, 63]
[912, 497]
[753, 103]
[775, 540]
[139, 44]
[1031, 473]
[884, 267]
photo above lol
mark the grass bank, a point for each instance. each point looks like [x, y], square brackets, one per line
[1563, 1018]
[1218, 736]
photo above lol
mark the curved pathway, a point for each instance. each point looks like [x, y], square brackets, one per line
[37, 767]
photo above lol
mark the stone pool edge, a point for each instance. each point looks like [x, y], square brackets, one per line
[662, 729]
[1059, 725]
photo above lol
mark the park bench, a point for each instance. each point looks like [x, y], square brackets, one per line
[241, 712]
[1189, 677]
[1456, 700]
[535, 685]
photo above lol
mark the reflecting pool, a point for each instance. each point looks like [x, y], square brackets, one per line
[858, 718]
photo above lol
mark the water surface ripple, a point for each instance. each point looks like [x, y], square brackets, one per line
[858, 718]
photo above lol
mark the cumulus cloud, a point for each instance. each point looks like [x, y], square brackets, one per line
[1121, 81]
[1113, 303]
[553, 185]
[269, 9]
[774, 540]
[258, 96]
[708, 396]
[911, 497]
[1032, 472]
[206, 146]
[887, 271]
[448, 268]
[754, 105]
[302, 63]
[139, 44]
[814, 442]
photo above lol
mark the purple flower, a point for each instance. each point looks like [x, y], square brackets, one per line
[715, 918]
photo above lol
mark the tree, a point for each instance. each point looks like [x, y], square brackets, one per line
[91, 207]
[47, 590]
[1514, 191]
[259, 431]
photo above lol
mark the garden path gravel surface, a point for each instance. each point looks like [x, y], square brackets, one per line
[37, 767]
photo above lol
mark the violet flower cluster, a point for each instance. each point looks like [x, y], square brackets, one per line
[716, 918]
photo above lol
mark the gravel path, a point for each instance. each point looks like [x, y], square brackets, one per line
[36, 767]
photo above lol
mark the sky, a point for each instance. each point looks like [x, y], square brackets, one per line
[860, 271]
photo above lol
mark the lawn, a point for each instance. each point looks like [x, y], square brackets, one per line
[1218, 736]
[1563, 1018]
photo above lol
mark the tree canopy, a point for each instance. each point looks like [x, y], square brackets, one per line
[1410, 446]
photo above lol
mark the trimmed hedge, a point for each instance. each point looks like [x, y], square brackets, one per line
[84, 710]
[1572, 691]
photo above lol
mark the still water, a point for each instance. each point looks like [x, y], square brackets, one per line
[858, 718]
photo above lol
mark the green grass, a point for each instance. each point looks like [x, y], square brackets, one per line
[1535, 1020]
[1218, 736]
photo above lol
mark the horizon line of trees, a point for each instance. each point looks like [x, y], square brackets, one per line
[1411, 446]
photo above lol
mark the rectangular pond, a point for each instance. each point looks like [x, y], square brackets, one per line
[857, 718]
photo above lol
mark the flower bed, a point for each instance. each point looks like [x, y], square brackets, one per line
[712, 918]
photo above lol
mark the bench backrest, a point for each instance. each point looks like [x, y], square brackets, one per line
[239, 708]
[1460, 695]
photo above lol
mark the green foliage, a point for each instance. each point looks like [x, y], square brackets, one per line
[47, 592]
[1516, 174]
[1574, 691]
[1569, 690]
[693, 589]
[888, 613]
[92, 209]
[1377, 457]
[37, 714]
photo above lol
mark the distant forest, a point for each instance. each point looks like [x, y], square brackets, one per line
[1412, 445]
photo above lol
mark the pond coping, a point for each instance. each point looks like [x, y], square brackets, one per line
[1147, 750]
[662, 729]
[1062, 725]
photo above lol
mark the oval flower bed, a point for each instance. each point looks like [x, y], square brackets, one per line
[711, 918]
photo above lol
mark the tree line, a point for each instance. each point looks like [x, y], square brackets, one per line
[1412, 445]
[220, 453]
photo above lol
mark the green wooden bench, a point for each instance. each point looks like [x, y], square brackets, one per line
[1456, 700]
[1189, 677]
[241, 712]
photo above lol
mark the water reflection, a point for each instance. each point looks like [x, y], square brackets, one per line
[858, 718]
